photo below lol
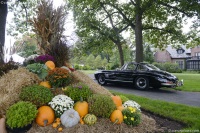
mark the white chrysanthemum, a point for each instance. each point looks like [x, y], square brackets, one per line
[131, 103]
[60, 103]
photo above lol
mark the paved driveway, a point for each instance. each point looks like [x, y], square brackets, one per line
[170, 95]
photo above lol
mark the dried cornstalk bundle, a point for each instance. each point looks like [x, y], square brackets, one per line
[11, 85]
[96, 88]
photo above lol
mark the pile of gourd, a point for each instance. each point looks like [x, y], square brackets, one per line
[79, 114]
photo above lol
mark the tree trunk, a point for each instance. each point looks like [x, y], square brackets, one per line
[121, 54]
[3, 15]
[138, 33]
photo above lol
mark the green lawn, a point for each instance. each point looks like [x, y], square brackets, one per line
[191, 81]
[89, 71]
[190, 116]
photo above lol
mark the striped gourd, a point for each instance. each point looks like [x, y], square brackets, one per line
[90, 119]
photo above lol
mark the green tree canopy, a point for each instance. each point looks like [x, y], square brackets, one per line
[97, 24]
[158, 22]
[26, 45]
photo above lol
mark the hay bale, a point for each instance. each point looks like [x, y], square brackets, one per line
[103, 125]
[79, 76]
[11, 85]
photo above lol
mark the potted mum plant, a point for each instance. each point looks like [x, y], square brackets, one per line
[19, 116]
[59, 77]
[61, 103]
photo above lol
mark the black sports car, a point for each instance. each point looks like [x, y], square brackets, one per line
[142, 75]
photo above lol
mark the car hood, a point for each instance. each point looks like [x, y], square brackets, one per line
[100, 71]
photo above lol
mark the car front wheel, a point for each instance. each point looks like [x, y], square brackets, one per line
[101, 79]
[141, 83]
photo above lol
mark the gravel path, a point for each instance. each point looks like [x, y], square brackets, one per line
[170, 95]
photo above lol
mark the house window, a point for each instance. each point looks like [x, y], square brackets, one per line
[180, 64]
[180, 51]
[197, 54]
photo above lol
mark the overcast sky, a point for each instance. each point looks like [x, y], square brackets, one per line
[69, 26]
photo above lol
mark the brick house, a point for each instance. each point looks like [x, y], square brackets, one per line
[186, 58]
[194, 62]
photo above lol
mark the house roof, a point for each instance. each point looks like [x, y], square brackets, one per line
[174, 54]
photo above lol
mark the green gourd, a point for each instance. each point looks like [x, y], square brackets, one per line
[90, 119]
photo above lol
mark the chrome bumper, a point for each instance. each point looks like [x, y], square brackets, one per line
[171, 84]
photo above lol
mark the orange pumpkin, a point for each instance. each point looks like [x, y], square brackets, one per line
[50, 65]
[120, 108]
[57, 119]
[45, 84]
[45, 116]
[117, 100]
[116, 117]
[81, 107]
[55, 125]
[81, 121]
[60, 129]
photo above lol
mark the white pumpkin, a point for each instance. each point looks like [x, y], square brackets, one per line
[66, 68]
[70, 118]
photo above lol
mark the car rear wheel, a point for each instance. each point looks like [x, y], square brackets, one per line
[101, 79]
[142, 83]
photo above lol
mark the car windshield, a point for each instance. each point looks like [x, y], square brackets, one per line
[151, 67]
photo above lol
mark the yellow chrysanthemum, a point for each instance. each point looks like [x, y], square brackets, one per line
[132, 118]
[125, 117]
[130, 108]
[134, 110]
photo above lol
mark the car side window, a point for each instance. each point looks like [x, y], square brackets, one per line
[131, 67]
[141, 68]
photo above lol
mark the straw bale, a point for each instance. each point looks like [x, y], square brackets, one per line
[103, 125]
[11, 85]
[96, 88]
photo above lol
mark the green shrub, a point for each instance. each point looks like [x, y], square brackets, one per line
[115, 66]
[86, 67]
[76, 67]
[123, 98]
[76, 91]
[36, 94]
[101, 105]
[169, 67]
[21, 114]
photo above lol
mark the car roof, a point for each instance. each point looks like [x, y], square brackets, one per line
[143, 63]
